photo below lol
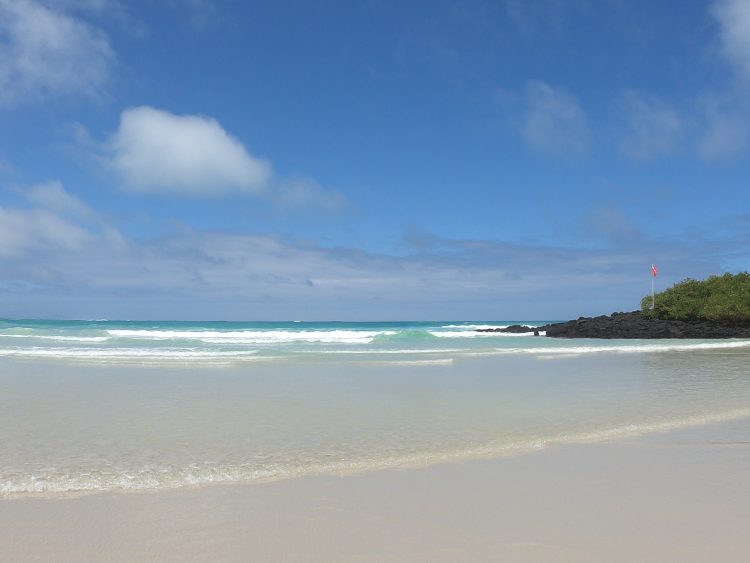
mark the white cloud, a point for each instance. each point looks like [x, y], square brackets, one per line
[210, 274]
[89, 6]
[610, 223]
[155, 151]
[52, 196]
[655, 128]
[543, 16]
[45, 52]
[55, 223]
[45, 255]
[23, 230]
[734, 21]
[199, 12]
[725, 115]
[725, 130]
[553, 122]
[302, 193]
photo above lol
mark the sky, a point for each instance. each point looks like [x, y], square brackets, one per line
[368, 160]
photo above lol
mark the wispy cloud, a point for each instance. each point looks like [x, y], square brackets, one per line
[305, 193]
[47, 251]
[733, 17]
[52, 196]
[726, 115]
[539, 16]
[611, 224]
[44, 227]
[725, 128]
[45, 52]
[98, 7]
[200, 13]
[655, 128]
[712, 124]
[553, 123]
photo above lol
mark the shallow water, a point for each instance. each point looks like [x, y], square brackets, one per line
[92, 423]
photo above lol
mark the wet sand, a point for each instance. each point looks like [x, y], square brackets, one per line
[677, 496]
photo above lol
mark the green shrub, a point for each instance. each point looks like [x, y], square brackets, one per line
[723, 298]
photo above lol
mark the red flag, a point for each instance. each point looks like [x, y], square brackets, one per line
[654, 271]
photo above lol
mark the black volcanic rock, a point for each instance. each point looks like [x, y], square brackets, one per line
[513, 329]
[637, 325]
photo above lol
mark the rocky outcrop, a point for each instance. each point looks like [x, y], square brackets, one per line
[637, 325]
[629, 325]
[513, 329]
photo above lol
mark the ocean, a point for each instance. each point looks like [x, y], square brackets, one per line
[91, 406]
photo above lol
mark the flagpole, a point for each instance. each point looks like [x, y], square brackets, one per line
[653, 295]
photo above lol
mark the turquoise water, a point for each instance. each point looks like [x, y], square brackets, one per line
[231, 342]
[221, 343]
[119, 406]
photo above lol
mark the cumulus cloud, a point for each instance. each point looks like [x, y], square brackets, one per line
[45, 52]
[655, 127]
[734, 22]
[155, 151]
[553, 122]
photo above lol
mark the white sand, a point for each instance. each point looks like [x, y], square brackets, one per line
[681, 496]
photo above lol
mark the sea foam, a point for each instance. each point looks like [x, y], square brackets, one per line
[255, 337]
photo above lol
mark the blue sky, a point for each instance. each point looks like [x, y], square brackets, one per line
[196, 159]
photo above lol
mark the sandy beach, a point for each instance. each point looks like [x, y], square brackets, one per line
[374, 281]
[676, 496]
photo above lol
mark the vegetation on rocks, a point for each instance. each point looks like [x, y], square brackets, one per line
[721, 299]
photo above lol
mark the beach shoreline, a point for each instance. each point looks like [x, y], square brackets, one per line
[677, 495]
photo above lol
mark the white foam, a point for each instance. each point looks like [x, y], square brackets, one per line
[471, 334]
[623, 348]
[154, 354]
[403, 351]
[638, 429]
[59, 338]
[474, 327]
[256, 337]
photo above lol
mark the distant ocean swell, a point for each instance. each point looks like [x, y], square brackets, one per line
[110, 341]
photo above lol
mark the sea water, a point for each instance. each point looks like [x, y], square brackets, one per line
[118, 406]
